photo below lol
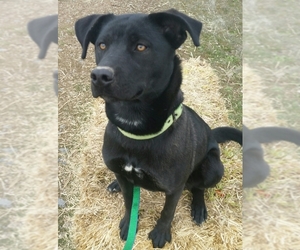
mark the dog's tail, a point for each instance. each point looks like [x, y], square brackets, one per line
[224, 134]
[270, 134]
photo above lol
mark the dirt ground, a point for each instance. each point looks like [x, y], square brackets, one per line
[28, 138]
[91, 215]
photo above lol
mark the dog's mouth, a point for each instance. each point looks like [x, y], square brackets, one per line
[109, 95]
[137, 95]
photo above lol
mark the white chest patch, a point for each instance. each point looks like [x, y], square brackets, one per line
[128, 168]
[128, 122]
[137, 171]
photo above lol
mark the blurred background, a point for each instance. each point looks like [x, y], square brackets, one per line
[28, 128]
[271, 94]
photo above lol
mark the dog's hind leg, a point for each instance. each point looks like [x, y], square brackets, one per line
[206, 175]
[198, 208]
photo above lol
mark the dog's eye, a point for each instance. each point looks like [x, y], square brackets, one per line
[102, 46]
[141, 47]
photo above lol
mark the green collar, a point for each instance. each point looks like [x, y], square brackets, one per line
[171, 119]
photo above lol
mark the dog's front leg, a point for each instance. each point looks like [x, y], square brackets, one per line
[127, 191]
[162, 231]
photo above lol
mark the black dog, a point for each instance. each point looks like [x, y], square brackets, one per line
[151, 140]
[44, 31]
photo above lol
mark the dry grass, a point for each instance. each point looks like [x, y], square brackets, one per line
[91, 216]
[28, 151]
[270, 211]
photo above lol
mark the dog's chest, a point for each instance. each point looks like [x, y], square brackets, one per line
[140, 177]
[132, 172]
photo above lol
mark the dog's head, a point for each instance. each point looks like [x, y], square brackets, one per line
[134, 52]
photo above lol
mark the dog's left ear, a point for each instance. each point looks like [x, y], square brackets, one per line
[174, 25]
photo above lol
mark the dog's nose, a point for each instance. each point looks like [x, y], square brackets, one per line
[102, 75]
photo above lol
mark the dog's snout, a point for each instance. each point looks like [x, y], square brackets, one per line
[102, 75]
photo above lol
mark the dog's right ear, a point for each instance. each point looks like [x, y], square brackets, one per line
[87, 30]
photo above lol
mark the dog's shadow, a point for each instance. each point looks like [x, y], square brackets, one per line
[44, 31]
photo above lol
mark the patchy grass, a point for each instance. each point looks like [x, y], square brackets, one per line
[221, 46]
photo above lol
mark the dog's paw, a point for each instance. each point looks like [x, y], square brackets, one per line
[198, 213]
[124, 226]
[159, 236]
[114, 187]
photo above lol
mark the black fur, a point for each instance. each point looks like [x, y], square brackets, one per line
[224, 134]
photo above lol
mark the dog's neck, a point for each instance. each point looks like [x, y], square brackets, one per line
[142, 118]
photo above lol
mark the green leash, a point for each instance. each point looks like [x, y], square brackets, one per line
[133, 218]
